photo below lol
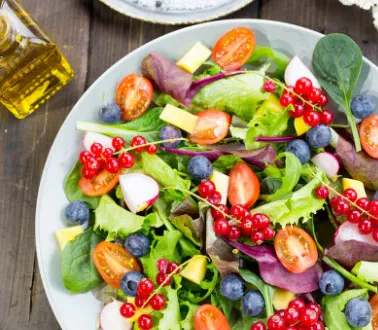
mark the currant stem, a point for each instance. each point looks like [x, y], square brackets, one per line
[149, 144]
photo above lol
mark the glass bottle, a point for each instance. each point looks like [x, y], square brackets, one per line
[32, 68]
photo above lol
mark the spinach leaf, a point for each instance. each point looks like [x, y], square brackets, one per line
[161, 99]
[72, 190]
[261, 53]
[147, 125]
[224, 163]
[79, 273]
[225, 305]
[212, 70]
[337, 63]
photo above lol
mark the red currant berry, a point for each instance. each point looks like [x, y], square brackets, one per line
[276, 322]
[83, 157]
[118, 143]
[112, 165]
[107, 153]
[335, 200]
[311, 118]
[314, 95]
[303, 86]
[88, 173]
[354, 216]
[316, 326]
[137, 141]
[373, 208]
[217, 214]
[298, 110]
[297, 303]
[127, 310]
[257, 237]
[326, 117]
[246, 226]
[323, 100]
[315, 307]
[363, 203]
[350, 194]
[173, 267]
[291, 328]
[235, 232]
[139, 301]
[222, 227]
[258, 326]
[291, 315]
[268, 233]
[365, 226]
[375, 234]
[161, 278]
[308, 316]
[280, 312]
[145, 322]
[269, 86]
[342, 207]
[145, 288]
[260, 221]
[286, 99]
[152, 149]
[157, 302]
[215, 198]
[162, 265]
[237, 211]
[92, 164]
[206, 188]
[247, 215]
[126, 160]
[322, 192]
[96, 149]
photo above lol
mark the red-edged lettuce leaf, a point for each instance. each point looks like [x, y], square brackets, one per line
[274, 273]
[348, 253]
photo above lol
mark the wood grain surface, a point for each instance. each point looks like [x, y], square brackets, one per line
[93, 37]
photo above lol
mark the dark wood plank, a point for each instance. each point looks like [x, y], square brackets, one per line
[23, 148]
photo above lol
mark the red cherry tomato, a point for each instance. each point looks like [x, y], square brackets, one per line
[244, 185]
[212, 127]
[374, 306]
[100, 185]
[208, 317]
[295, 249]
[134, 96]
[234, 49]
[369, 135]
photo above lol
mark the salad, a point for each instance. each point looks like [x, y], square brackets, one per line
[221, 193]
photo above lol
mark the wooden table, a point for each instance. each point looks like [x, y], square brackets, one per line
[93, 37]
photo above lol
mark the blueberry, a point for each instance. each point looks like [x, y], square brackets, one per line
[170, 132]
[362, 106]
[253, 303]
[77, 213]
[331, 283]
[375, 196]
[319, 136]
[138, 245]
[110, 113]
[199, 168]
[358, 312]
[300, 149]
[232, 287]
[129, 283]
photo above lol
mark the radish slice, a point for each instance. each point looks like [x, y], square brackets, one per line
[296, 69]
[349, 231]
[139, 191]
[328, 163]
[111, 318]
[92, 137]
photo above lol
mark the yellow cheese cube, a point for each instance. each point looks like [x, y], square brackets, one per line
[300, 126]
[180, 118]
[65, 235]
[221, 182]
[195, 270]
[281, 298]
[194, 58]
[358, 186]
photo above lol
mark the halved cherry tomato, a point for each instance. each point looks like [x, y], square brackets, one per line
[295, 249]
[134, 95]
[244, 187]
[234, 49]
[112, 262]
[374, 306]
[100, 185]
[212, 126]
[208, 317]
[369, 135]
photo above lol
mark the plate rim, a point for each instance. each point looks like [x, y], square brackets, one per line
[43, 181]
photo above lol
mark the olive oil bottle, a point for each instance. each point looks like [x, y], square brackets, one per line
[32, 68]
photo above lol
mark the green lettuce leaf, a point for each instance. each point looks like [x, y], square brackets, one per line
[212, 70]
[171, 316]
[161, 99]
[224, 163]
[184, 223]
[147, 125]
[188, 311]
[240, 95]
[366, 270]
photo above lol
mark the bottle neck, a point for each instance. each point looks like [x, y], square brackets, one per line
[7, 35]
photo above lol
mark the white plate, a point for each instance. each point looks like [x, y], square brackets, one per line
[79, 312]
[176, 11]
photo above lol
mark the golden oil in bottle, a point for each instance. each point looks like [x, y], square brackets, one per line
[32, 68]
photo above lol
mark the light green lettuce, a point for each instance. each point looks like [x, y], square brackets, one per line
[366, 270]
[187, 322]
